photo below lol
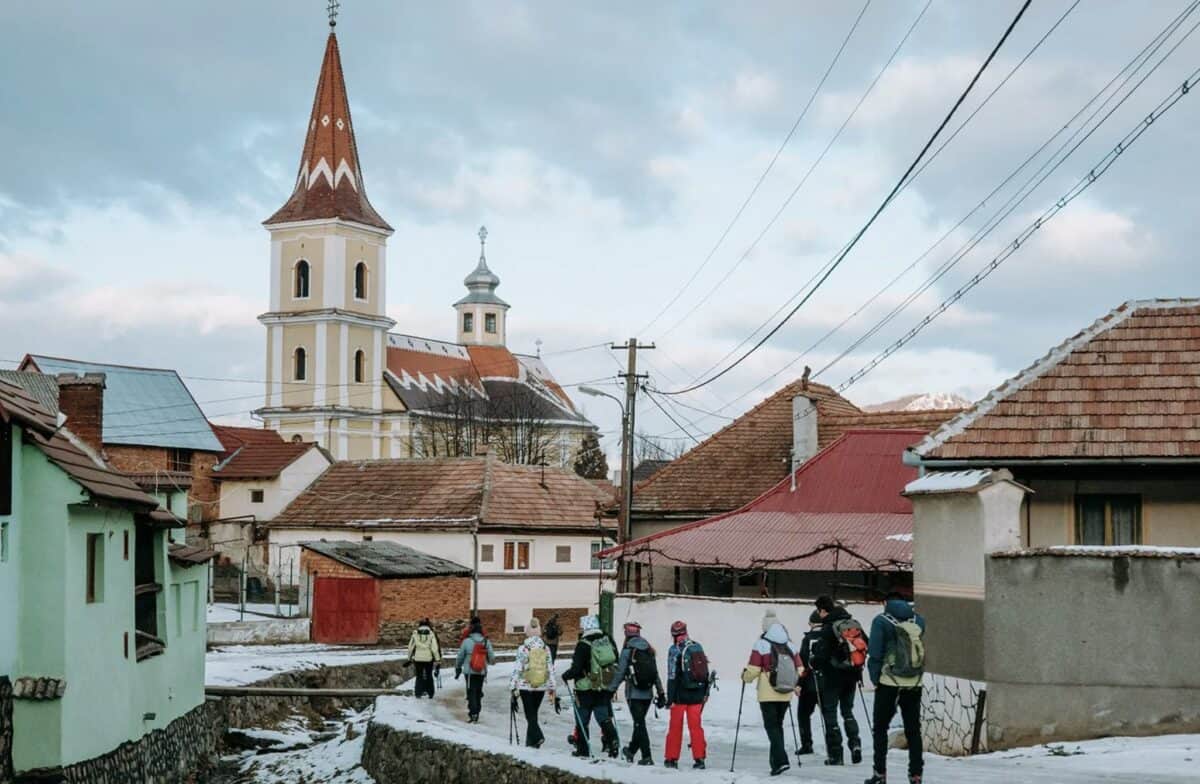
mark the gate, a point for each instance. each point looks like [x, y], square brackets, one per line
[345, 610]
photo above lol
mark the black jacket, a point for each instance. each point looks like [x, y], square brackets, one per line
[826, 645]
[806, 646]
[581, 658]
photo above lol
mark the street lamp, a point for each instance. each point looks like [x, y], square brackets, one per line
[626, 460]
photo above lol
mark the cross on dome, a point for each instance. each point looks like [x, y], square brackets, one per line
[332, 9]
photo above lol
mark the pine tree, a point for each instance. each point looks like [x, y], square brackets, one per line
[591, 463]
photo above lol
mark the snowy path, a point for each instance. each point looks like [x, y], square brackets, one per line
[1172, 758]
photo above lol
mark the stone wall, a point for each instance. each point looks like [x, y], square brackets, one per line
[261, 631]
[394, 756]
[6, 729]
[179, 752]
[949, 709]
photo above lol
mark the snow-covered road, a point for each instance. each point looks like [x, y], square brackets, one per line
[1151, 760]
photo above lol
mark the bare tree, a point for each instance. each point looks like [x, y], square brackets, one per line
[521, 432]
[465, 421]
[656, 448]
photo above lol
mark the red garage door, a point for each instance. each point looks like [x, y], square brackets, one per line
[345, 610]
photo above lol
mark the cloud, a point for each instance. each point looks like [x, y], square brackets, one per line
[754, 90]
[1088, 235]
[27, 279]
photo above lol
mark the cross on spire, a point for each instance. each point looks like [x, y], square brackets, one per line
[482, 239]
[332, 8]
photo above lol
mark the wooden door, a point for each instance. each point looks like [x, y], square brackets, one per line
[345, 610]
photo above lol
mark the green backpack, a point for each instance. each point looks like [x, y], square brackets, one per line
[602, 667]
[537, 668]
[905, 659]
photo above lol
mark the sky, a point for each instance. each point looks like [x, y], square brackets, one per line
[606, 147]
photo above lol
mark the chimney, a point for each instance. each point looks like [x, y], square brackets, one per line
[81, 400]
[804, 431]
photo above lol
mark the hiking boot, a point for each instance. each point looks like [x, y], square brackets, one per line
[782, 768]
[877, 778]
[835, 758]
[699, 764]
[644, 761]
[580, 753]
[627, 753]
[855, 754]
[806, 749]
[672, 764]
[914, 778]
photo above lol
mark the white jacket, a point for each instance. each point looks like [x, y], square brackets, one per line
[517, 681]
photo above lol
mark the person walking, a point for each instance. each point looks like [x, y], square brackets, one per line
[638, 669]
[896, 665]
[425, 653]
[807, 703]
[551, 635]
[837, 681]
[474, 656]
[776, 666]
[593, 665]
[532, 679]
[688, 686]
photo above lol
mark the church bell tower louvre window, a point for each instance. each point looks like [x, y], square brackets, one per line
[302, 275]
[300, 364]
[360, 281]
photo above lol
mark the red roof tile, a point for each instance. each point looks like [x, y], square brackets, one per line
[261, 461]
[330, 183]
[1125, 387]
[846, 512]
[233, 437]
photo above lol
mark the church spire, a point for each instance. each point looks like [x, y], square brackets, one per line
[329, 183]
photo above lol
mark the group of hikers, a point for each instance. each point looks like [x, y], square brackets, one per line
[823, 671]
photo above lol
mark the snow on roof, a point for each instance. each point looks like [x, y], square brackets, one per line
[1106, 551]
[951, 482]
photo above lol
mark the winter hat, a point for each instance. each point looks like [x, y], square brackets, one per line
[814, 618]
[533, 627]
[824, 603]
[589, 623]
[632, 629]
[769, 619]
[678, 629]
[476, 626]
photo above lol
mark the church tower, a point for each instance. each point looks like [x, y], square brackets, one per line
[482, 316]
[327, 324]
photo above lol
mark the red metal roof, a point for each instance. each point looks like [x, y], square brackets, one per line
[846, 512]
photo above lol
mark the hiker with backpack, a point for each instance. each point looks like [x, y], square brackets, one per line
[425, 653]
[776, 666]
[838, 658]
[688, 686]
[593, 665]
[532, 679]
[808, 684]
[551, 635]
[474, 656]
[896, 666]
[638, 668]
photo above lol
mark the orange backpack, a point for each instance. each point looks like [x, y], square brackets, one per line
[478, 661]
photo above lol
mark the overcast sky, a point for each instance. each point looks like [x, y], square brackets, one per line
[606, 147]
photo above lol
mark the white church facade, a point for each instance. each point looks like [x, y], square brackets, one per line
[336, 372]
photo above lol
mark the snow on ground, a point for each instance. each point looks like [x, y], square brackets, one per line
[328, 756]
[1152, 760]
[238, 665]
[226, 612]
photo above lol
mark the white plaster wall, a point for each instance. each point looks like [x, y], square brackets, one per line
[952, 532]
[542, 552]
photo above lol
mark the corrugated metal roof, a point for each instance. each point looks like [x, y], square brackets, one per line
[387, 559]
[846, 512]
[143, 406]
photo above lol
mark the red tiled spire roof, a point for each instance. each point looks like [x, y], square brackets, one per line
[329, 183]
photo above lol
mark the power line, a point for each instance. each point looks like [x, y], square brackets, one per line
[667, 414]
[812, 167]
[762, 177]
[841, 257]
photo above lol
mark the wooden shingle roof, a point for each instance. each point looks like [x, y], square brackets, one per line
[1127, 387]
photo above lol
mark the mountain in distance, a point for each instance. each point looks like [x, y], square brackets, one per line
[921, 401]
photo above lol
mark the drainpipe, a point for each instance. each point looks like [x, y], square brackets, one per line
[475, 570]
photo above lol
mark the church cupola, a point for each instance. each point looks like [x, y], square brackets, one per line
[329, 183]
[481, 314]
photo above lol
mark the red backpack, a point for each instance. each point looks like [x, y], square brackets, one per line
[478, 661]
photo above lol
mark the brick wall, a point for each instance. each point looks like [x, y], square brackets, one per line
[568, 619]
[319, 565]
[203, 494]
[494, 622]
[205, 491]
[81, 399]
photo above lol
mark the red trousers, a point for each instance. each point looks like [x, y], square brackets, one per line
[695, 731]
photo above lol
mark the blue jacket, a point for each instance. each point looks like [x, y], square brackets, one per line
[462, 662]
[625, 671]
[883, 634]
[676, 691]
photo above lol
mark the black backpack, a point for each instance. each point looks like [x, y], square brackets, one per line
[643, 669]
[550, 633]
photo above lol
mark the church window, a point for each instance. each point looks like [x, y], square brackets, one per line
[300, 362]
[360, 366]
[302, 274]
[468, 322]
[360, 280]
[489, 323]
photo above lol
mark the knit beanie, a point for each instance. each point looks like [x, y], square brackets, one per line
[769, 619]
[534, 627]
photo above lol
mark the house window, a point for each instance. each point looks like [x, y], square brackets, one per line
[146, 594]
[256, 496]
[516, 556]
[489, 323]
[95, 568]
[596, 563]
[360, 366]
[6, 468]
[487, 553]
[302, 274]
[179, 460]
[468, 322]
[1111, 520]
[562, 553]
[300, 364]
[360, 280]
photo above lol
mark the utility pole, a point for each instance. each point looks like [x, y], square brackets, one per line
[632, 378]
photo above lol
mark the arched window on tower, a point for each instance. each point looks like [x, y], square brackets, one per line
[360, 280]
[360, 366]
[302, 274]
[300, 364]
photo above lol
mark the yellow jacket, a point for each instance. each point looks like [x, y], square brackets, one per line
[759, 668]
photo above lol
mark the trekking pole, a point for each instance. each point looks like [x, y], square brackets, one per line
[738, 727]
[512, 720]
[866, 712]
[820, 706]
[795, 737]
[583, 730]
